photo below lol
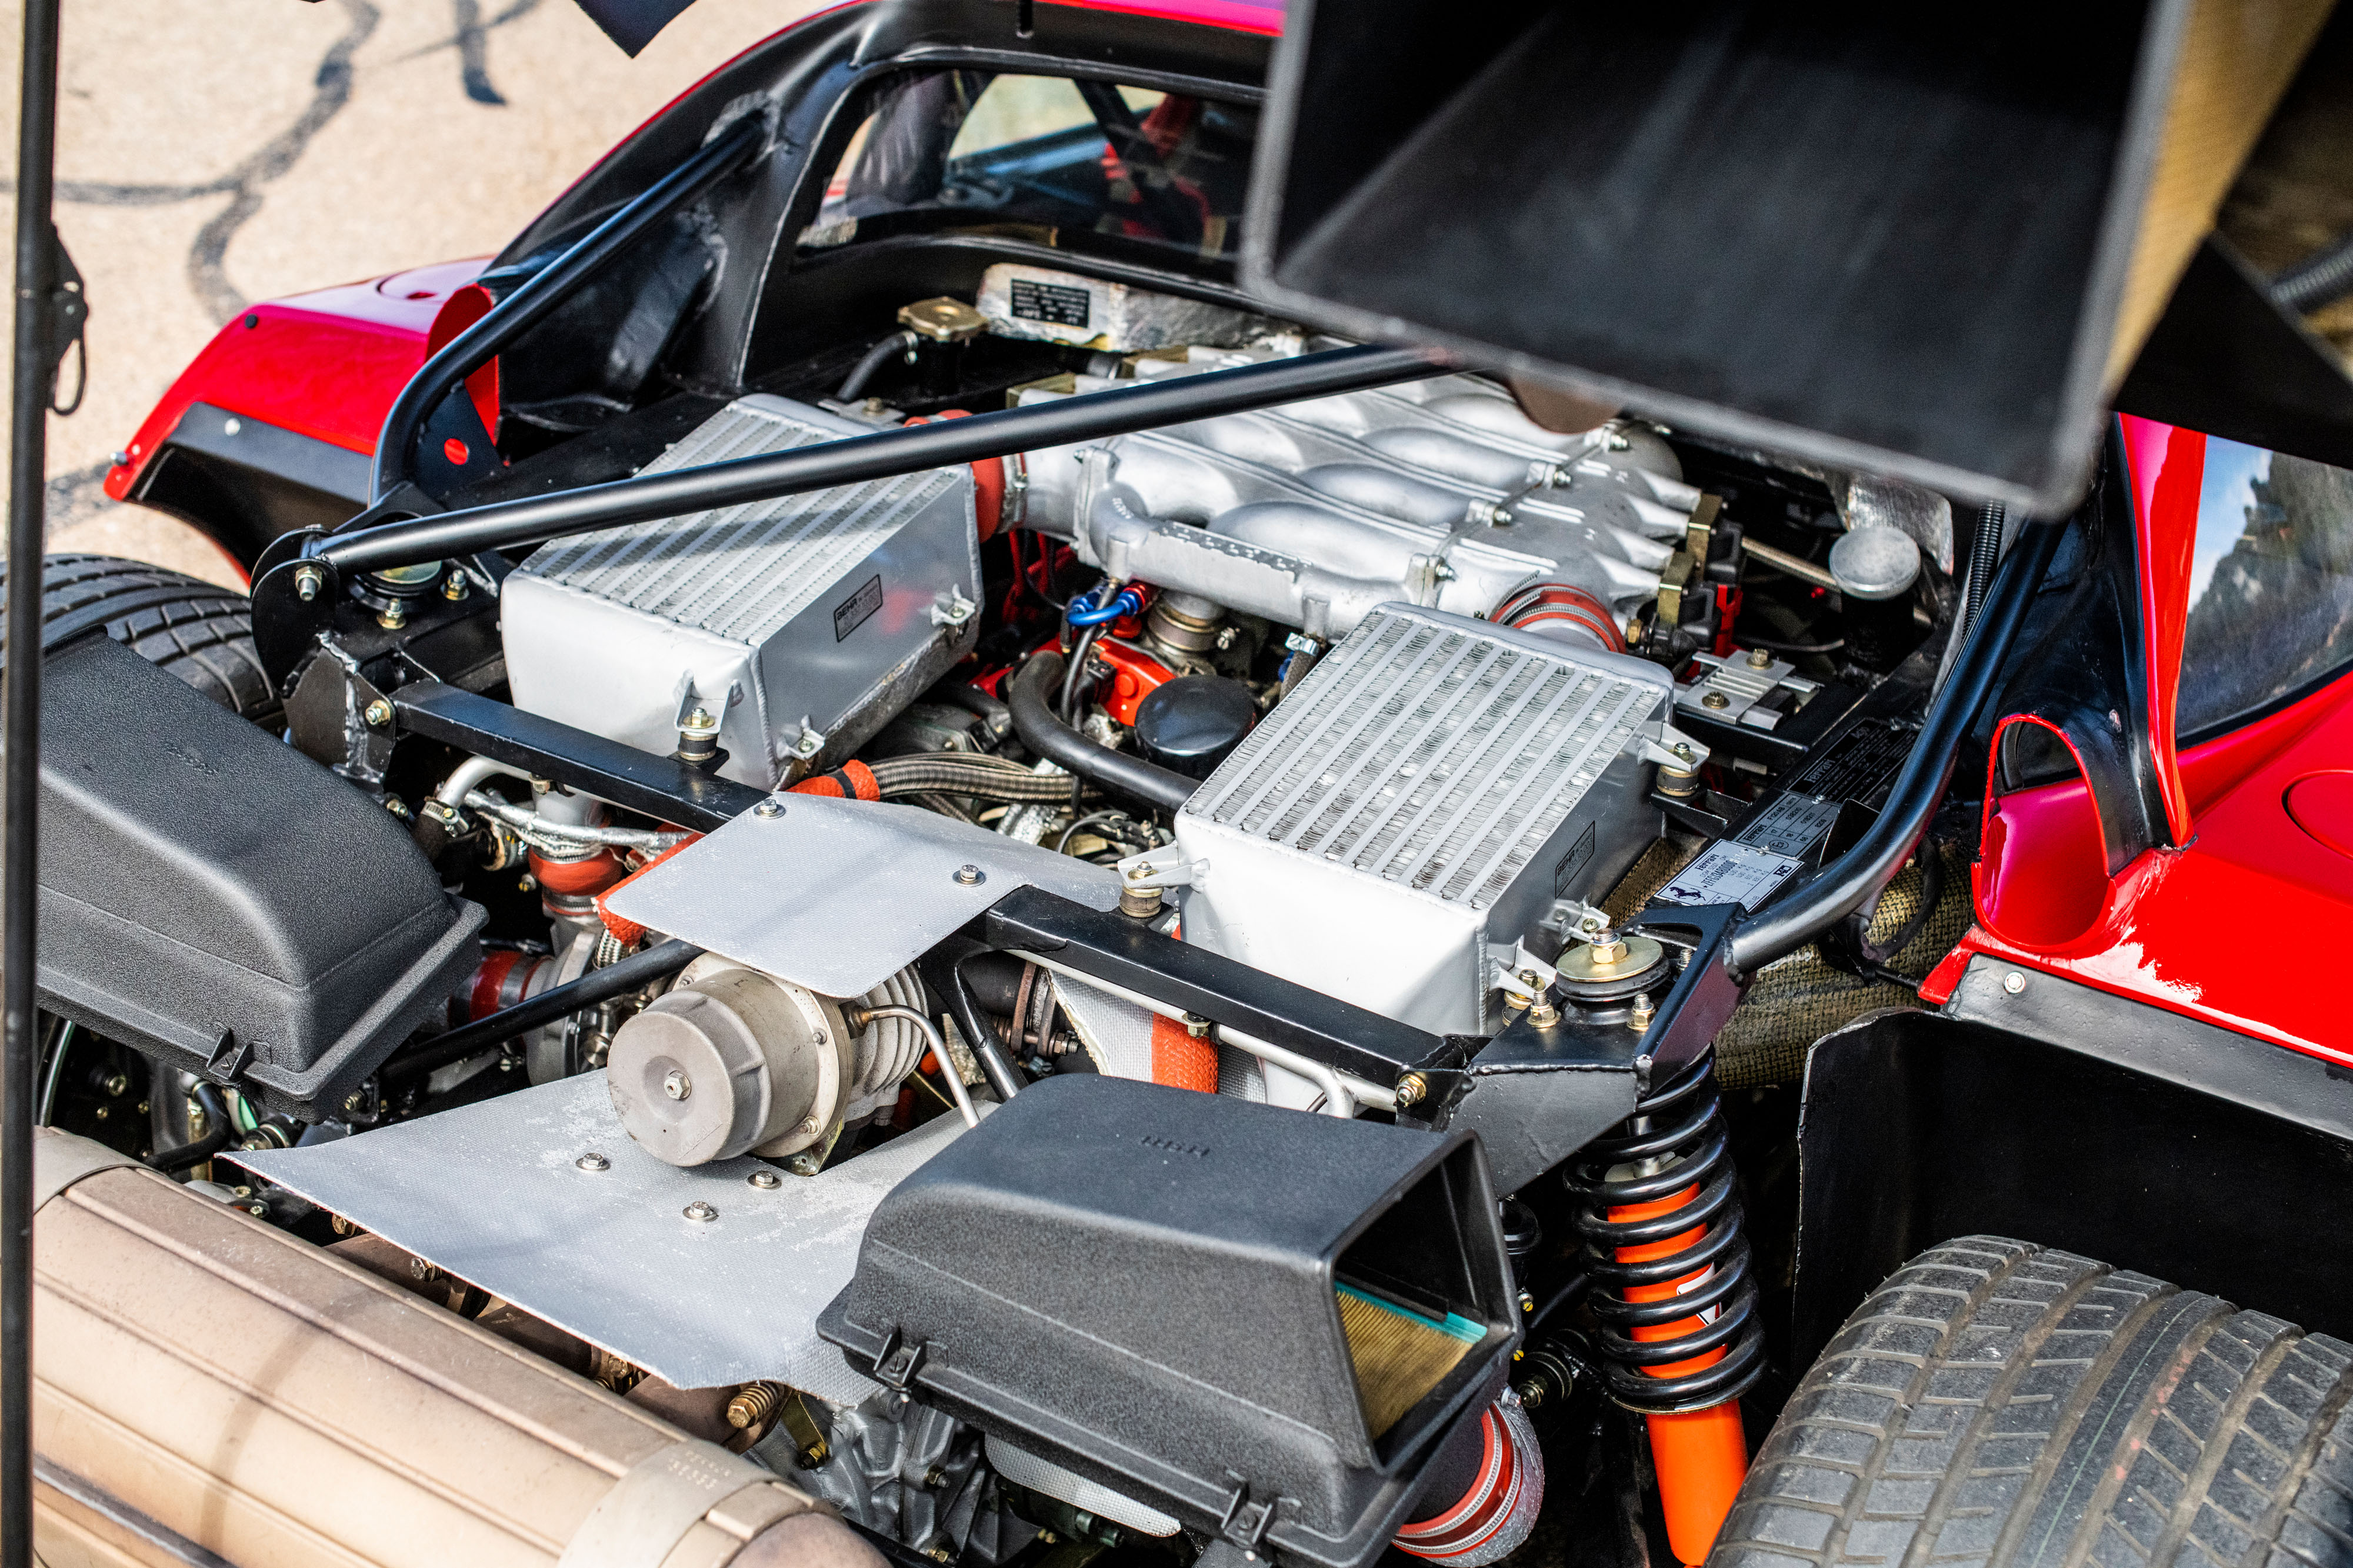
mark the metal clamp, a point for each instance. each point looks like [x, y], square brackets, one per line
[649, 1511]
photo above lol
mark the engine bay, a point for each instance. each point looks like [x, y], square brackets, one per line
[1385, 758]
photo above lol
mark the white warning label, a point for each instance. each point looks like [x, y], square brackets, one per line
[1729, 873]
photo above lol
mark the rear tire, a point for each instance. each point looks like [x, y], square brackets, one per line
[2008, 1406]
[200, 632]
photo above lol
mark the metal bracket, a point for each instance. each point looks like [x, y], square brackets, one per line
[67, 319]
[1734, 688]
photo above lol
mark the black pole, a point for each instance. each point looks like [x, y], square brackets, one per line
[20, 763]
[470, 351]
[853, 460]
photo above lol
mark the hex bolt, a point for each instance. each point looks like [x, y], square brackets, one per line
[379, 714]
[676, 1084]
[1196, 1025]
[2014, 982]
[1759, 659]
[592, 1161]
[1411, 1090]
[1715, 700]
[308, 581]
[934, 1479]
[701, 1213]
[454, 587]
[970, 876]
[769, 808]
[1638, 1017]
[765, 1180]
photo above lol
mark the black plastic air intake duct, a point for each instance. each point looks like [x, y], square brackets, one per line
[220, 903]
[1262, 1322]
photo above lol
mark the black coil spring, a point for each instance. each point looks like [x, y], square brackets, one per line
[1680, 1117]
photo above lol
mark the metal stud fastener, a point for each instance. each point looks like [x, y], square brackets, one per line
[769, 808]
[970, 876]
[677, 1085]
[308, 581]
[592, 1161]
[766, 1181]
[701, 1213]
[1715, 700]
[379, 714]
[1410, 1089]
[2014, 982]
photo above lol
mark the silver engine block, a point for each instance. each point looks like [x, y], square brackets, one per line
[1439, 493]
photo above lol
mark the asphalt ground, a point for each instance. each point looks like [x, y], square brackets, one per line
[213, 153]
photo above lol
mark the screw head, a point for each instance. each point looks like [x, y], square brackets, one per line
[2014, 982]
[676, 1084]
[1759, 659]
[379, 714]
[770, 809]
[592, 1161]
[1682, 749]
[970, 876]
[1715, 700]
[701, 1213]
[766, 1181]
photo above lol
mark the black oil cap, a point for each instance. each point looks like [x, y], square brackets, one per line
[1190, 723]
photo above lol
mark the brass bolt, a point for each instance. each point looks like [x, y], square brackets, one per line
[393, 617]
[454, 587]
[1715, 700]
[379, 714]
[753, 1405]
[1639, 1018]
[1411, 1090]
[1759, 659]
[1608, 953]
[116, 1085]
[1544, 1014]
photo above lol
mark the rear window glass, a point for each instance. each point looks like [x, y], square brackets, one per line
[1080, 164]
[2271, 586]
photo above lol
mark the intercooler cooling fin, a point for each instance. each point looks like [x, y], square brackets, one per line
[1430, 788]
[797, 620]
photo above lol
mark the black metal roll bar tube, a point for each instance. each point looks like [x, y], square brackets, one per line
[39, 279]
[1843, 886]
[885, 455]
[470, 351]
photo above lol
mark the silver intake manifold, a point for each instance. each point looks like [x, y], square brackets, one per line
[1440, 494]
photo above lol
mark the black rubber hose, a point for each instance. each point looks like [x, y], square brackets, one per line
[1073, 672]
[853, 385]
[2320, 278]
[943, 970]
[633, 973]
[1841, 887]
[1049, 737]
[1985, 553]
[218, 1129]
[973, 700]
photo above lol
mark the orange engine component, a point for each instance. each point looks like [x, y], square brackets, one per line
[1135, 675]
[1180, 1060]
[1701, 1454]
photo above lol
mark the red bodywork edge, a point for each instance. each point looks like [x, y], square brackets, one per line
[2168, 930]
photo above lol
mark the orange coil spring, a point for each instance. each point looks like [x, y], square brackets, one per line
[1680, 1341]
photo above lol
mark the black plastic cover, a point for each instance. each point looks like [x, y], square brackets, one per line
[1139, 1283]
[218, 901]
[1193, 722]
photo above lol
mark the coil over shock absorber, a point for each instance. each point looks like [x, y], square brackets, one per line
[1680, 1342]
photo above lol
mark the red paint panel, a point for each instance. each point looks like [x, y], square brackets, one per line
[2182, 929]
[325, 364]
[2167, 469]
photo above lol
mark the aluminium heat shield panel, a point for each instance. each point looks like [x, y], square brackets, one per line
[609, 1254]
[819, 613]
[1430, 788]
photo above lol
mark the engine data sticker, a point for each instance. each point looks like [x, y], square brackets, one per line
[1056, 304]
[1792, 825]
[1727, 873]
[851, 613]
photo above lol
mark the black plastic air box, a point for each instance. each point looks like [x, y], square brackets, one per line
[216, 900]
[1148, 1287]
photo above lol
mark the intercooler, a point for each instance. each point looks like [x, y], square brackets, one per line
[1422, 797]
[801, 623]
